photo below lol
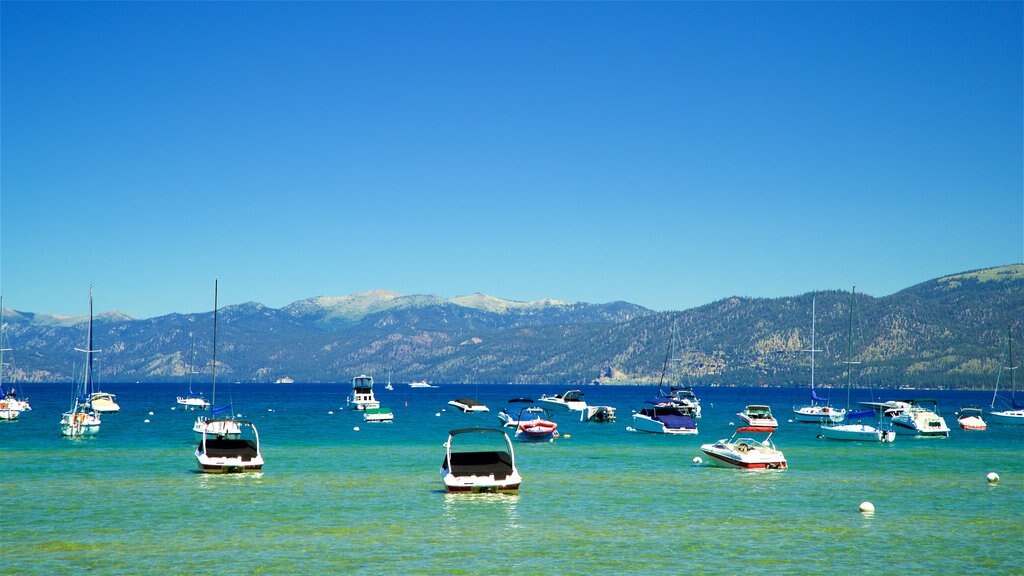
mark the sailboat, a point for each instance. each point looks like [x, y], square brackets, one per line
[818, 411]
[1014, 416]
[678, 394]
[10, 406]
[81, 420]
[221, 448]
[209, 426]
[858, 431]
[193, 401]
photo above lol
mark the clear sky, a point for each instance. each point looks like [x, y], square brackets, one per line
[665, 154]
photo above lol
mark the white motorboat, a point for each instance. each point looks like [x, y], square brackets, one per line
[192, 400]
[1013, 413]
[855, 429]
[214, 427]
[746, 452]
[220, 455]
[362, 393]
[919, 420]
[81, 420]
[971, 418]
[819, 410]
[661, 417]
[103, 402]
[599, 414]
[571, 401]
[758, 415]
[468, 405]
[420, 384]
[379, 414]
[479, 470]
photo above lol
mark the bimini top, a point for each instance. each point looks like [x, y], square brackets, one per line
[476, 430]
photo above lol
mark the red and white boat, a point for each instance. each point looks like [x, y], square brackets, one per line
[479, 470]
[533, 425]
[970, 418]
[745, 452]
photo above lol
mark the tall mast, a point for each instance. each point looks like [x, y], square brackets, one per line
[88, 352]
[213, 400]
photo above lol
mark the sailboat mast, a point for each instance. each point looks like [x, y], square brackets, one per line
[88, 351]
[668, 356]
[213, 370]
[1011, 367]
[813, 350]
[849, 350]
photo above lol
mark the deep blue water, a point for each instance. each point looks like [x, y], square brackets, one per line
[332, 499]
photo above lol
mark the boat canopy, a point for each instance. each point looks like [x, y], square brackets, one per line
[221, 410]
[860, 414]
[816, 398]
[522, 400]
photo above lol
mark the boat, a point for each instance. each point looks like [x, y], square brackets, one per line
[1013, 414]
[222, 447]
[509, 415]
[746, 452]
[819, 410]
[571, 400]
[664, 417]
[420, 384]
[533, 424]
[10, 406]
[859, 430]
[758, 415]
[192, 400]
[81, 420]
[103, 402]
[379, 414]
[679, 394]
[479, 470]
[223, 455]
[212, 426]
[362, 393]
[971, 418]
[468, 405]
[598, 414]
[920, 418]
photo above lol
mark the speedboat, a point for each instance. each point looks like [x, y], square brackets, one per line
[468, 405]
[378, 415]
[533, 424]
[103, 402]
[220, 455]
[420, 384]
[479, 471]
[745, 452]
[661, 417]
[971, 418]
[571, 401]
[858, 431]
[758, 415]
[919, 420]
[362, 393]
[193, 402]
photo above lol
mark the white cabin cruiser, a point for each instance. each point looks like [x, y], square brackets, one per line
[664, 417]
[103, 402]
[758, 415]
[362, 393]
[919, 420]
[571, 400]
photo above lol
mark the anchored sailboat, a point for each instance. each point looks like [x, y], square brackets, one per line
[208, 426]
[818, 411]
[1013, 416]
[81, 420]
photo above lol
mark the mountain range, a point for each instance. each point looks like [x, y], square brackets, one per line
[950, 332]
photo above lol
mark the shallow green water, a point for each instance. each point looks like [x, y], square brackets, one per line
[335, 500]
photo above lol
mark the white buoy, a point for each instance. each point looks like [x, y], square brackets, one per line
[355, 428]
[567, 436]
[867, 507]
[697, 460]
[146, 420]
[174, 407]
[731, 424]
[992, 477]
[150, 412]
[790, 420]
[437, 414]
[331, 412]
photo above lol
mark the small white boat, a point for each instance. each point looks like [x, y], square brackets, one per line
[858, 431]
[193, 402]
[219, 455]
[600, 414]
[758, 415]
[420, 384]
[468, 405]
[664, 417]
[919, 420]
[971, 418]
[380, 414]
[479, 470]
[745, 452]
[571, 401]
[10, 405]
[362, 393]
[103, 402]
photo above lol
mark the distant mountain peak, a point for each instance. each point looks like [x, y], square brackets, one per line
[480, 301]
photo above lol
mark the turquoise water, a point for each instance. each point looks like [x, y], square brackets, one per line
[335, 500]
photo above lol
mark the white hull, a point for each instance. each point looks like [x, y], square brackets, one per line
[857, 433]
[643, 423]
[1009, 417]
[222, 428]
[922, 423]
[728, 455]
[759, 422]
[103, 403]
[9, 414]
[818, 414]
[193, 403]
[972, 423]
[557, 404]
[79, 424]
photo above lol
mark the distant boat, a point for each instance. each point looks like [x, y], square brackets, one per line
[222, 449]
[420, 384]
[758, 415]
[362, 397]
[1014, 415]
[468, 405]
[971, 418]
[103, 402]
[571, 400]
[81, 420]
[192, 400]
[819, 410]
[380, 414]
[10, 405]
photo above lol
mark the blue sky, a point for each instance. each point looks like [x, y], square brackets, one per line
[666, 154]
